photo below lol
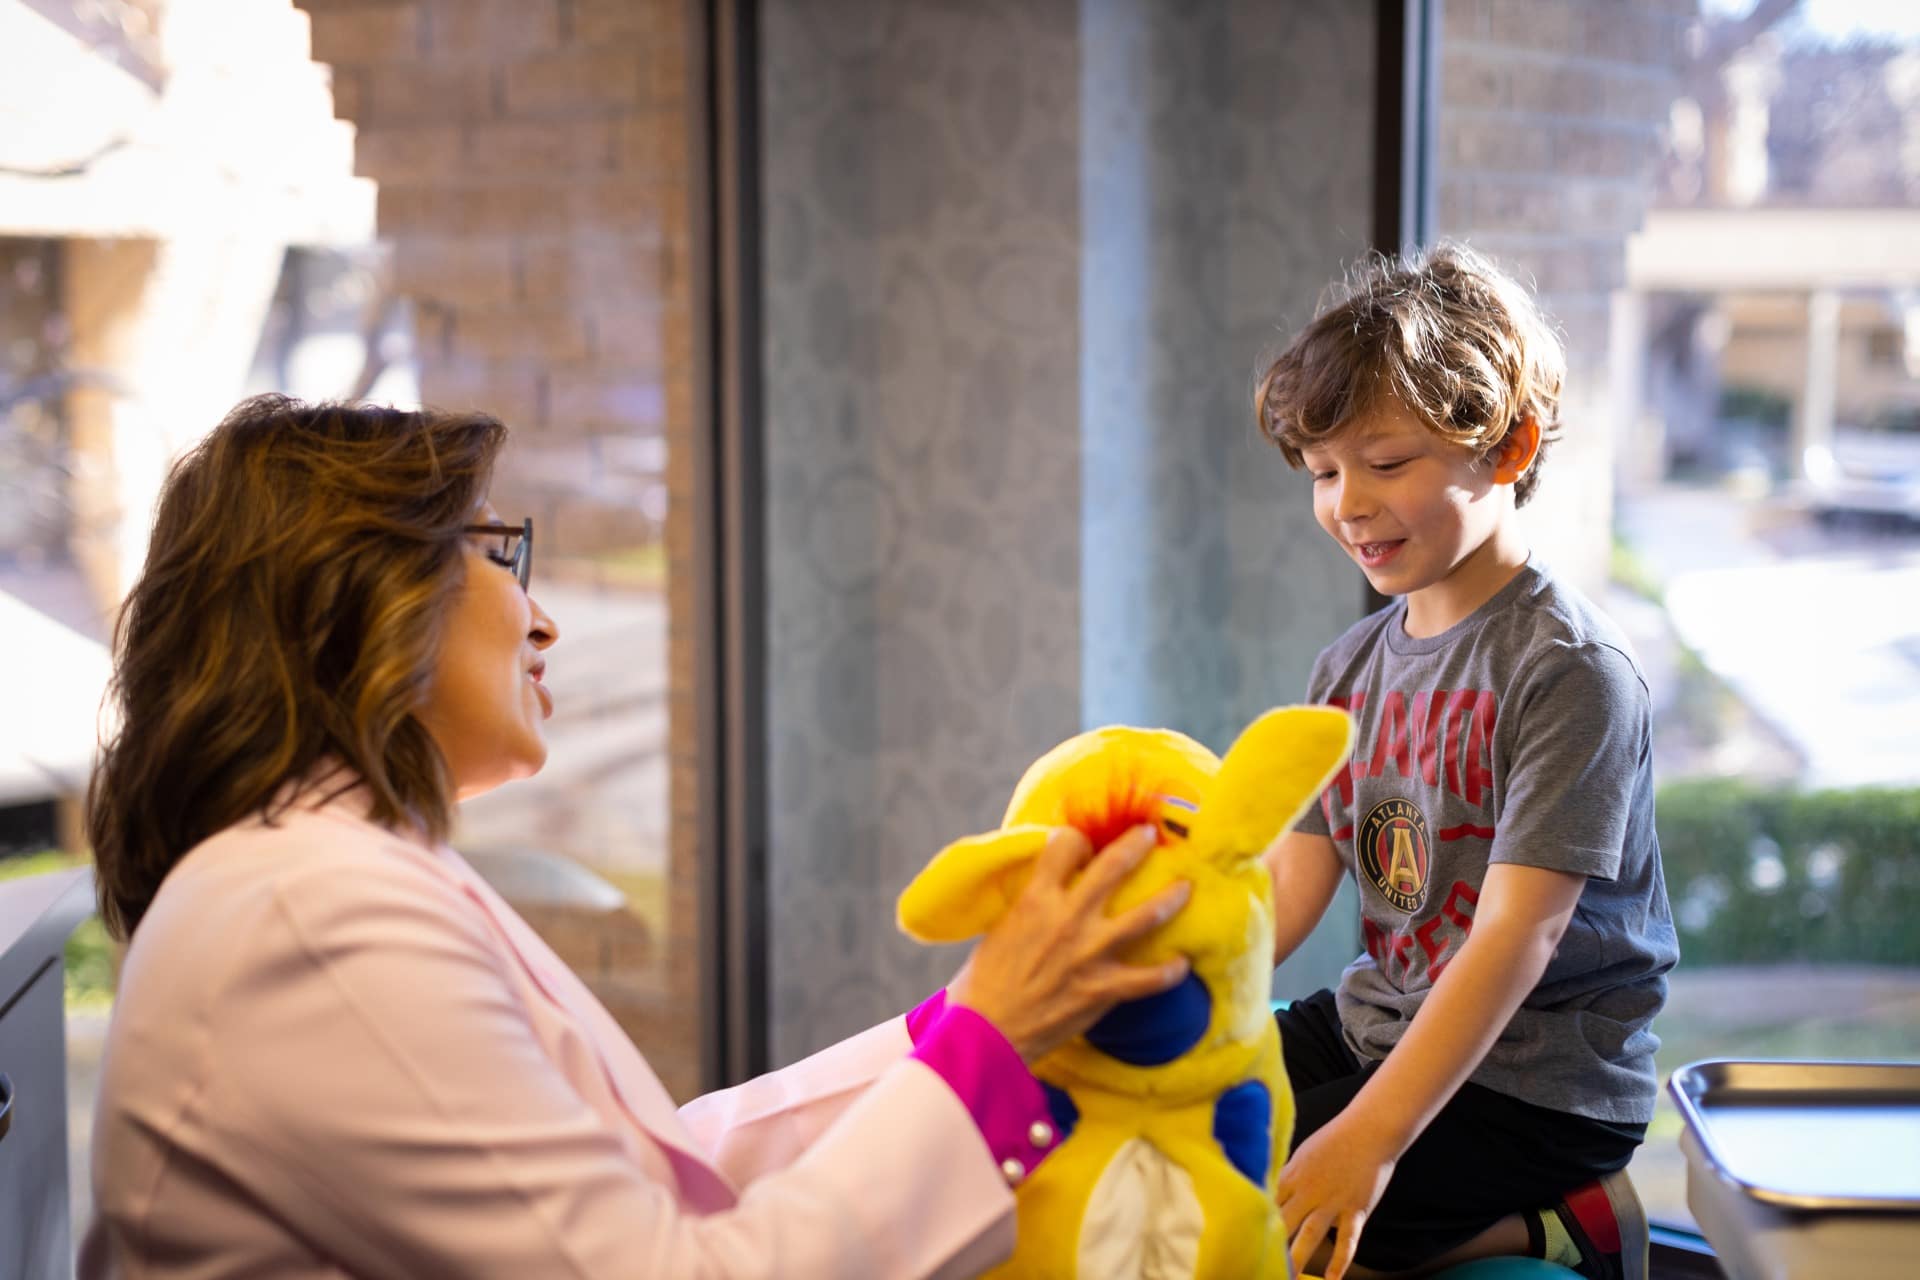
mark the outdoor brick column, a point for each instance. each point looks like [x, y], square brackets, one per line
[1549, 132]
[534, 162]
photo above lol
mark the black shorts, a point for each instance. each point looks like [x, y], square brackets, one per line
[1485, 1155]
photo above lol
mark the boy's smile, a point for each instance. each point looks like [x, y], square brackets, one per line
[1422, 517]
[1375, 555]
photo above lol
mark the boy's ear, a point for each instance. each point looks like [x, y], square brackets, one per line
[1513, 455]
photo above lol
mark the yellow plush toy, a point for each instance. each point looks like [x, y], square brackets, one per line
[1175, 1110]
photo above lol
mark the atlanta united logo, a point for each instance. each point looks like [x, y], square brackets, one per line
[1394, 850]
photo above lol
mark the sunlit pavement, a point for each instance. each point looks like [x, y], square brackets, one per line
[1817, 630]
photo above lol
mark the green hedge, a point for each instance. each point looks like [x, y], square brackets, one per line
[1762, 405]
[1764, 874]
[90, 981]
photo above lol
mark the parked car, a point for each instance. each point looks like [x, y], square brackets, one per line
[1869, 470]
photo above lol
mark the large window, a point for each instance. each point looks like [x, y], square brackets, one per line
[1767, 535]
[185, 220]
[1721, 210]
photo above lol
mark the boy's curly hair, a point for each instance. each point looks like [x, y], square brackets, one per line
[1459, 343]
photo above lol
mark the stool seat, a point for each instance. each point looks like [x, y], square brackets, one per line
[1499, 1269]
[1505, 1269]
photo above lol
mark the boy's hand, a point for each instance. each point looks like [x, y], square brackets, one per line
[1330, 1185]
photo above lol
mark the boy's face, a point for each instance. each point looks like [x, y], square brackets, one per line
[1420, 515]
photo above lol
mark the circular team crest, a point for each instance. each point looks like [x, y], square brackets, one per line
[1394, 852]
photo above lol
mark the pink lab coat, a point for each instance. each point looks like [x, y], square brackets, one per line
[337, 1052]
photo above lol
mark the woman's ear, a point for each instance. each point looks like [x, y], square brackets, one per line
[1514, 454]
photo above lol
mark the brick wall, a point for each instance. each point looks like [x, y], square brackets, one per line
[534, 162]
[1549, 132]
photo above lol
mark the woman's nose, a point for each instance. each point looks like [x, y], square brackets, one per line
[544, 632]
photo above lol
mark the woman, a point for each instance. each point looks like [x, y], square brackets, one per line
[336, 1051]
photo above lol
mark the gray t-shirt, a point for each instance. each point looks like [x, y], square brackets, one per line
[1522, 734]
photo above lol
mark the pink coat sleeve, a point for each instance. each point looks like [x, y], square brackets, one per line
[767, 1122]
[360, 1075]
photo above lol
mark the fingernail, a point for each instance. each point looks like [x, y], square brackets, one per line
[1147, 829]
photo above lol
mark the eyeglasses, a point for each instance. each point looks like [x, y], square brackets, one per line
[515, 551]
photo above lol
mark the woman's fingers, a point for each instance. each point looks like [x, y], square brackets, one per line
[1113, 864]
[1051, 966]
[1138, 922]
[1137, 981]
[1065, 852]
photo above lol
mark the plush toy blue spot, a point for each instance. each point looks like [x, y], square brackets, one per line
[1505, 1269]
[1243, 1126]
[1158, 1029]
[1060, 1105]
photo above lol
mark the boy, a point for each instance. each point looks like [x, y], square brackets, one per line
[1480, 1079]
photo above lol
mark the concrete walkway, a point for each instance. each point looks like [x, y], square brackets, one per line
[1816, 628]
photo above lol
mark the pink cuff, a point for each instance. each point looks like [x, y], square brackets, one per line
[987, 1075]
[921, 1017]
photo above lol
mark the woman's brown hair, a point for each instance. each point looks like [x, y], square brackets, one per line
[1459, 343]
[284, 628]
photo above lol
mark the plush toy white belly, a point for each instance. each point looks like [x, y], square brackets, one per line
[1143, 1220]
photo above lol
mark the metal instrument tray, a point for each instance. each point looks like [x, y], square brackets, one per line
[1813, 1136]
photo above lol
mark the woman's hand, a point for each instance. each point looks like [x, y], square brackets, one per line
[1051, 966]
[1330, 1185]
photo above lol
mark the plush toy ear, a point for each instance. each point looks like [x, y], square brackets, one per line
[970, 884]
[1276, 768]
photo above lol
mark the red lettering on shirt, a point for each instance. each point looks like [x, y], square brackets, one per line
[1438, 937]
[1462, 892]
[1459, 710]
[1450, 910]
[1390, 737]
[1446, 734]
[1449, 732]
[1351, 704]
[1429, 937]
[1480, 747]
[1389, 950]
[1428, 708]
